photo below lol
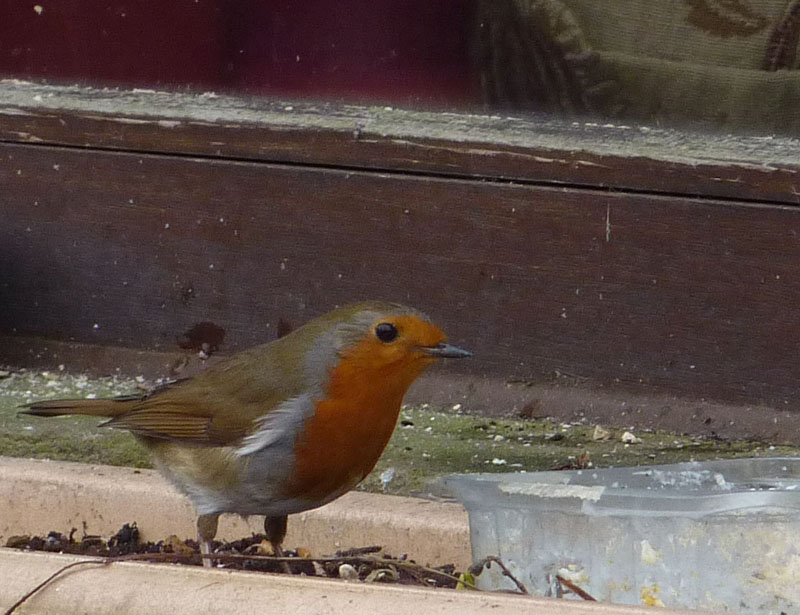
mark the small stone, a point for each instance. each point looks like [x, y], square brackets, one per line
[629, 438]
[348, 573]
[263, 548]
[178, 546]
[601, 433]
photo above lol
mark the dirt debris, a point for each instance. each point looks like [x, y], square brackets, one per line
[366, 564]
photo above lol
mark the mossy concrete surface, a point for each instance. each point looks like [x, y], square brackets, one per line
[428, 442]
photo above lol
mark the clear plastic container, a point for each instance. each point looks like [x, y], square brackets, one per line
[721, 535]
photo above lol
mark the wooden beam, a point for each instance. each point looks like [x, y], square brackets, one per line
[530, 149]
[692, 296]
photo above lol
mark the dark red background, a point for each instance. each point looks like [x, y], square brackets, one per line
[405, 51]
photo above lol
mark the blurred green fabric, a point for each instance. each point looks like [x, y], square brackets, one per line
[723, 63]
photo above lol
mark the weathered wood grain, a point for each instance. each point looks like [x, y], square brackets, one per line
[531, 149]
[697, 297]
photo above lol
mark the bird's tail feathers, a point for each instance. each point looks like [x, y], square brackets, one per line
[89, 407]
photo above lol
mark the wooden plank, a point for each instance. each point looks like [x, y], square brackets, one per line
[694, 296]
[531, 149]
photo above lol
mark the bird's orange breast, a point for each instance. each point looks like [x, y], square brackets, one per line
[341, 443]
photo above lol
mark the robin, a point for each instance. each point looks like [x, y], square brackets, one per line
[283, 427]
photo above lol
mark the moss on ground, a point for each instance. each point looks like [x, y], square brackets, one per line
[427, 443]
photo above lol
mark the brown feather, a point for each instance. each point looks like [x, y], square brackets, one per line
[164, 424]
[90, 407]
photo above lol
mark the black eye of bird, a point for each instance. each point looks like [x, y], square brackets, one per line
[386, 332]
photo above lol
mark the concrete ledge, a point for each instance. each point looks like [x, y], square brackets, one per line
[37, 496]
[138, 588]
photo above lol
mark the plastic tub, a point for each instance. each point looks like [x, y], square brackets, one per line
[722, 535]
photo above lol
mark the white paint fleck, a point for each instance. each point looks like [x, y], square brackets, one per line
[387, 476]
[128, 120]
[543, 490]
[38, 9]
[608, 223]
[650, 555]
[56, 167]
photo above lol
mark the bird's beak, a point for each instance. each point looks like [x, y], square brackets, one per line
[446, 351]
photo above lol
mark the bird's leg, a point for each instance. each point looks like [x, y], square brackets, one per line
[275, 529]
[206, 530]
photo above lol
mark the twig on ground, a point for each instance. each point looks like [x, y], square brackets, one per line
[48, 580]
[575, 589]
[478, 566]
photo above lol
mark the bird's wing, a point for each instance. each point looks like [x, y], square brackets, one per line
[213, 409]
[224, 405]
[169, 420]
